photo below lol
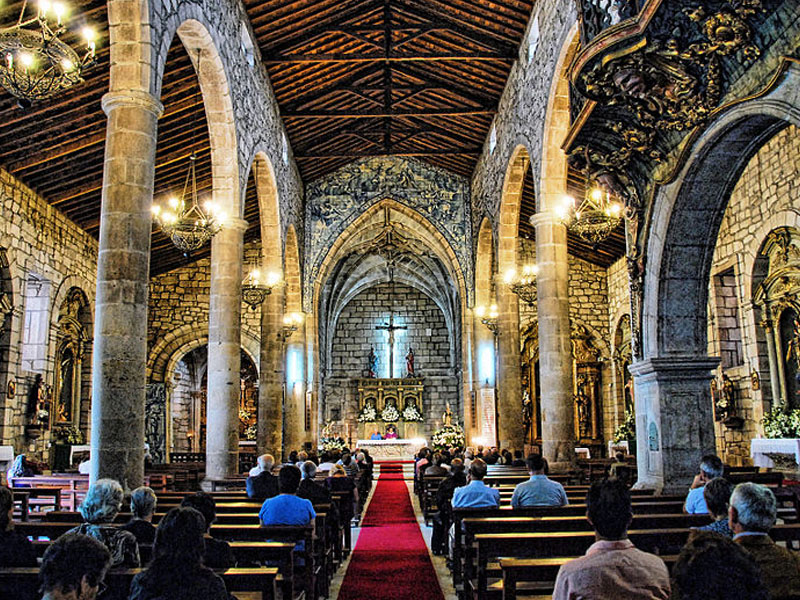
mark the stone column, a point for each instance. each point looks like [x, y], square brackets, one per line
[780, 393]
[484, 369]
[295, 433]
[674, 421]
[224, 351]
[510, 431]
[555, 347]
[119, 357]
[270, 384]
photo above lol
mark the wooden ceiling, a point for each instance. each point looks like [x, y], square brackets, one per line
[419, 78]
[353, 78]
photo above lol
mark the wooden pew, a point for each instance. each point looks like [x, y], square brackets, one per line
[554, 544]
[262, 580]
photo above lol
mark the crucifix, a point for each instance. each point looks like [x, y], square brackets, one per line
[390, 326]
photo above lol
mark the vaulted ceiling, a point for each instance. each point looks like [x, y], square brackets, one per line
[353, 78]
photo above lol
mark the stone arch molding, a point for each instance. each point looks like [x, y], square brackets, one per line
[252, 113]
[166, 353]
[335, 202]
[687, 215]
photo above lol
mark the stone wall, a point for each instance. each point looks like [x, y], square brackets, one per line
[766, 196]
[619, 306]
[427, 334]
[38, 240]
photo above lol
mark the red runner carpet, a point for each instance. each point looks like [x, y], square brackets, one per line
[390, 559]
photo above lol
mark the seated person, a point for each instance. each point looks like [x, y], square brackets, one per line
[302, 457]
[539, 490]
[101, 505]
[286, 508]
[752, 513]
[73, 567]
[349, 464]
[309, 489]
[326, 462]
[263, 485]
[717, 494]
[612, 567]
[376, 435]
[476, 494]
[16, 549]
[391, 434]
[22, 467]
[436, 469]
[518, 461]
[218, 553]
[340, 482]
[177, 571]
[711, 567]
[710, 467]
[143, 505]
[444, 496]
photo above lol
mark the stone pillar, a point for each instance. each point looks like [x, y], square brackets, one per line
[780, 393]
[224, 351]
[674, 421]
[510, 431]
[123, 274]
[484, 369]
[555, 347]
[295, 433]
[270, 384]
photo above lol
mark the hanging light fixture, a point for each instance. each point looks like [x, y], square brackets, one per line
[256, 287]
[190, 227]
[523, 284]
[595, 218]
[34, 63]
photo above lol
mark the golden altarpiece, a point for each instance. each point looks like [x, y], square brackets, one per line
[586, 389]
[382, 393]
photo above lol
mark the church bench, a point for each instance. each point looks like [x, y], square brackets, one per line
[553, 544]
[21, 505]
[261, 580]
[533, 576]
[40, 496]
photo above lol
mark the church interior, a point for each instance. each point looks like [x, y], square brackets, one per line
[242, 227]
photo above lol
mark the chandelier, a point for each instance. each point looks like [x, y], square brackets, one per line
[256, 288]
[596, 217]
[187, 224]
[34, 63]
[488, 317]
[189, 228]
[524, 284]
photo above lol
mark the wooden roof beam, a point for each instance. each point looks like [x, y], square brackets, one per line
[334, 114]
[394, 58]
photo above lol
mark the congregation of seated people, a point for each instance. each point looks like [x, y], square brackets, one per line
[731, 557]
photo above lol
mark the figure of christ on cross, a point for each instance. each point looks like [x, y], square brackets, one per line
[391, 328]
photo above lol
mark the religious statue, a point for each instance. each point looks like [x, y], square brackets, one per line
[410, 363]
[447, 416]
[582, 407]
[527, 414]
[372, 363]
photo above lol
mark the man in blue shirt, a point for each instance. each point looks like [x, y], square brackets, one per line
[286, 508]
[476, 494]
[538, 490]
[376, 435]
[710, 467]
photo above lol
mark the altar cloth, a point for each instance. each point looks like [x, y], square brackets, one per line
[397, 449]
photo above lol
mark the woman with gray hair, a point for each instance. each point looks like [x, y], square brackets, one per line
[102, 503]
[143, 505]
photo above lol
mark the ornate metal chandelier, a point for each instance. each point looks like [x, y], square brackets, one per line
[187, 224]
[34, 63]
[524, 284]
[256, 287]
[190, 227]
[596, 217]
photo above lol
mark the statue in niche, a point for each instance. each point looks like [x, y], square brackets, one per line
[582, 408]
[447, 416]
[527, 413]
[66, 387]
[372, 363]
[410, 372]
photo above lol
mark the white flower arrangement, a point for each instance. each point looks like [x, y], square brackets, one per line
[411, 413]
[448, 436]
[332, 443]
[368, 414]
[390, 413]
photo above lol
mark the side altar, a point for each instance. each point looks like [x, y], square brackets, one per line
[385, 404]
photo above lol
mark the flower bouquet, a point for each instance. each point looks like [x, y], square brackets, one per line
[411, 413]
[368, 414]
[390, 414]
[448, 436]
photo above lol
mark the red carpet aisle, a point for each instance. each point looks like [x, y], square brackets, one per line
[390, 559]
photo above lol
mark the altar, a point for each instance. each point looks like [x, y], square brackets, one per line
[391, 450]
